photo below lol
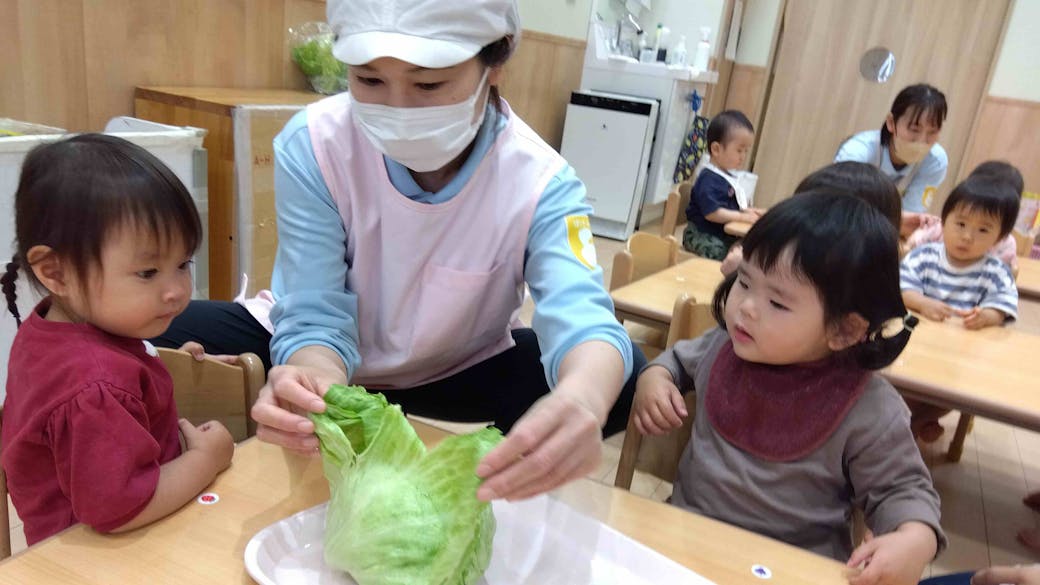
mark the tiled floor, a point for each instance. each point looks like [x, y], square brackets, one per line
[981, 494]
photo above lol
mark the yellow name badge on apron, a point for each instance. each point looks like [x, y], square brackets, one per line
[927, 196]
[579, 236]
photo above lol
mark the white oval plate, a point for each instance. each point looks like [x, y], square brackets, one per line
[540, 540]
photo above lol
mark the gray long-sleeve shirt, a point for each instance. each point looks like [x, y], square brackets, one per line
[871, 460]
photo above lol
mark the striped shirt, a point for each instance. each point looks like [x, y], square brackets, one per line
[986, 284]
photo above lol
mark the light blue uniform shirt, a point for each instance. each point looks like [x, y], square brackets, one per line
[917, 183]
[316, 307]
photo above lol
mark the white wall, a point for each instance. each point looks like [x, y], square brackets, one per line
[756, 31]
[1017, 74]
[683, 17]
[565, 18]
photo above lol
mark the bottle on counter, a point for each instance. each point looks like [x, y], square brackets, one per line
[700, 58]
[677, 55]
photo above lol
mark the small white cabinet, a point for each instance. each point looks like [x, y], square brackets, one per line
[607, 138]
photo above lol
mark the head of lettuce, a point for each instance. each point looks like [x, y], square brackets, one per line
[397, 513]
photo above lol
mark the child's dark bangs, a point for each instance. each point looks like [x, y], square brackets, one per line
[161, 209]
[765, 247]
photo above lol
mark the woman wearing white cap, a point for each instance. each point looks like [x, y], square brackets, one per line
[410, 214]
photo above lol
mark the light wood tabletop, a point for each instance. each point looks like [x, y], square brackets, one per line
[206, 543]
[991, 373]
[650, 300]
[1028, 279]
[737, 228]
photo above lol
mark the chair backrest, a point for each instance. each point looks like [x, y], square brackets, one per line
[212, 390]
[651, 254]
[5, 519]
[659, 455]
[622, 269]
[675, 207]
[1023, 243]
[644, 254]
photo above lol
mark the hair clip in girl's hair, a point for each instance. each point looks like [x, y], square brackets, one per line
[897, 325]
[910, 321]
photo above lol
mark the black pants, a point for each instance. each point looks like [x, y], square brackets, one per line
[499, 389]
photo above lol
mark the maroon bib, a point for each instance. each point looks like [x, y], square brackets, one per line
[780, 413]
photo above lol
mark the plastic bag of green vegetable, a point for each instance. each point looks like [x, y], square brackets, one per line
[312, 52]
[399, 515]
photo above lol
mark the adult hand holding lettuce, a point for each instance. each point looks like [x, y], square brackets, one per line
[557, 440]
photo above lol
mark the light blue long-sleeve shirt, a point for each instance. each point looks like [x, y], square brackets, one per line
[315, 305]
[928, 174]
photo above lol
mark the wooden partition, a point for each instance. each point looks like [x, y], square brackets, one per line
[818, 98]
[1008, 129]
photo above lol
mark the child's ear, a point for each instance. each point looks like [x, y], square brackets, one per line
[849, 331]
[890, 123]
[48, 269]
[714, 149]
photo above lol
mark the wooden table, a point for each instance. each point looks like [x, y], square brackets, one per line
[737, 228]
[650, 300]
[205, 544]
[992, 372]
[241, 124]
[1028, 278]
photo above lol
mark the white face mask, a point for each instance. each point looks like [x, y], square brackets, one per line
[910, 152]
[422, 139]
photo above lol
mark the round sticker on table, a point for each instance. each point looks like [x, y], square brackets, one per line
[208, 499]
[761, 572]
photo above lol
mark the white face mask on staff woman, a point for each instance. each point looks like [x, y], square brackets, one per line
[413, 65]
[423, 138]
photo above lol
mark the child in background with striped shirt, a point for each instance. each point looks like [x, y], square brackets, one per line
[958, 277]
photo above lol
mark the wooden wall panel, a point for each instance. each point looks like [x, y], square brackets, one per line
[747, 87]
[818, 97]
[41, 62]
[539, 79]
[1008, 130]
[75, 63]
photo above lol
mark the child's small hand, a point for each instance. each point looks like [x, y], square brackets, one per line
[896, 558]
[978, 318]
[210, 438]
[658, 406]
[940, 311]
[199, 353]
[751, 215]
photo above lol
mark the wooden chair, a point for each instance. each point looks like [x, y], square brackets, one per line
[644, 254]
[1023, 243]
[660, 455]
[212, 390]
[675, 207]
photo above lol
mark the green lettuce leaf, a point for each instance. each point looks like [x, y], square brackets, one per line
[399, 515]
